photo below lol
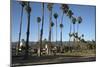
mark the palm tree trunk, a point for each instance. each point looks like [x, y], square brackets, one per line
[61, 39]
[38, 38]
[20, 29]
[77, 28]
[70, 37]
[74, 33]
[38, 32]
[52, 34]
[41, 34]
[28, 32]
[50, 21]
[56, 31]
[61, 31]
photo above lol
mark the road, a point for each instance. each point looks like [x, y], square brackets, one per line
[17, 61]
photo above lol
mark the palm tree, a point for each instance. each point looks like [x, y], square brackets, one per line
[64, 8]
[41, 34]
[61, 26]
[82, 36]
[79, 20]
[69, 14]
[52, 24]
[22, 4]
[56, 16]
[50, 6]
[74, 22]
[38, 21]
[28, 10]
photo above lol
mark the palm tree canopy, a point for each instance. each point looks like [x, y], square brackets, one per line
[38, 19]
[70, 13]
[28, 8]
[65, 8]
[82, 35]
[61, 25]
[79, 19]
[70, 34]
[23, 3]
[52, 24]
[73, 20]
[55, 15]
[50, 6]
[79, 38]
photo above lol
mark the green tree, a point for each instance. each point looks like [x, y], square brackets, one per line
[74, 22]
[38, 21]
[56, 16]
[41, 34]
[79, 20]
[61, 26]
[52, 24]
[64, 8]
[28, 10]
[22, 3]
[50, 6]
[69, 14]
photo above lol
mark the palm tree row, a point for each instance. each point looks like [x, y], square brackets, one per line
[66, 11]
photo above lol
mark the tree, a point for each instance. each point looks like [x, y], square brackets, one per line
[22, 4]
[52, 24]
[38, 21]
[61, 26]
[28, 10]
[74, 22]
[56, 16]
[64, 8]
[69, 14]
[82, 36]
[50, 6]
[79, 20]
[41, 34]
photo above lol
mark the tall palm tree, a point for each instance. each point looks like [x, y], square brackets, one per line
[28, 10]
[69, 14]
[22, 4]
[79, 20]
[52, 24]
[56, 16]
[82, 36]
[61, 26]
[50, 6]
[74, 22]
[38, 21]
[64, 8]
[41, 34]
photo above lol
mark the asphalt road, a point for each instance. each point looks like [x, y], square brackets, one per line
[19, 61]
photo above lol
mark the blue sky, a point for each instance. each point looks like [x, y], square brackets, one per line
[87, 27]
